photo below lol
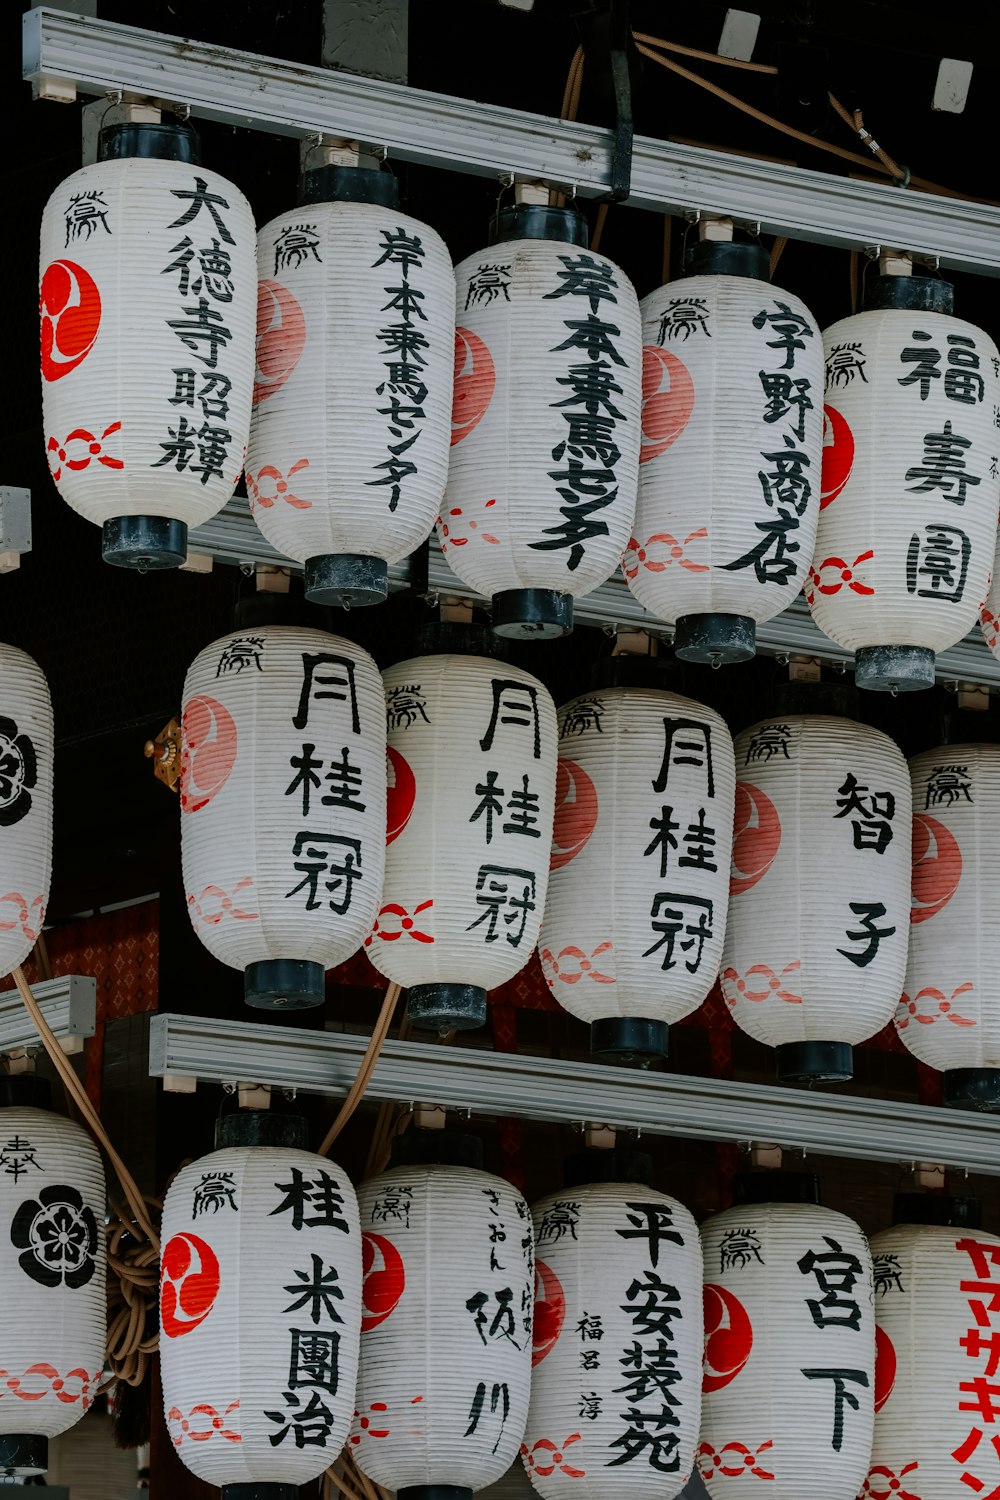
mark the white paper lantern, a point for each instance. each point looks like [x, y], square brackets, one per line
[283, 805]
[147, 315]
[352, 401]
[729, 476]
[472, 765]
[789, 1382]
[260, 1309]
[936, 1366]
[26, 754]
[545, 440]
[445, 1332]
[910, 488]
[616, 1385]
[52, 1260]
[989, 610]
[817, 933]
[949, 1013]
[636, 911]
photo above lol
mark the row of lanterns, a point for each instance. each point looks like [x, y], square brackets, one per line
[575, 429]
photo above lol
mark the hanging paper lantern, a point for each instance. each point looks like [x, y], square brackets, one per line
[616, 1384]
[472, 752]
[729, 468]
[949, 1013]
[636, 914]
[52, 1210]
[989, 610]
[446, 1322]
[910, 490]
[27, 749]
[788, 1395]
[283, 806]
[545, 435]
[147, 307]
[935, 1366]
[260, 1309]
[349, 445]
[816, 939]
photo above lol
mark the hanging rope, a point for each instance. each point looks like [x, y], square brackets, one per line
[379, 1033]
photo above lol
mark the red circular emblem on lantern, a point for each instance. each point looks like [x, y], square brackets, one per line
[756, 837]
[667, 400]
[475, 379]
[728, 1337]
[937, 867]
[281, 337]
[885, 1367]
[401, 792]
[838, 455]
[384, 1279]
[550, 1311]
[208, 751]
[70, 308]
[576, 812]
[189, 1284]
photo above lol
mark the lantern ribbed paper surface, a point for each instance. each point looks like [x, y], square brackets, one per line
[545, 438]
[148, 287]
[934, 1417]
[472, 765]
[52, 1254]
[260, 1314]
[283, 797]
[26, 755]
[616, 1384]
[989, 610]
[729, 477]
[908, 526]
[349, 444]
[949, 1013]
[636, 911]
[446, 1328]
[788, 1392]
[816, 940]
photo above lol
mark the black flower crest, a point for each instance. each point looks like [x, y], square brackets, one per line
[18, 773]
[58, 1235]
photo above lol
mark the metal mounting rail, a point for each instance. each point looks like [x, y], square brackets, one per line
[68, 1003]
[64, 53]
[537, 1088]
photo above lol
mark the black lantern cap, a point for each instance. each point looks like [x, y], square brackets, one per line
[350, 580]
[23, 1453]
[261, 1127]
[532, 614]
[894, 669]
[628, 1041]
[457, 638]
[345, 184]
[814, 1062]
[972, 1089]
[145, 543]
[718, 640]
[937, 1208]
[635, 671]
[437, 1148]
[535, 221]
[166, 140]
[594, 1164]
[25, 1091]
[258, 1490]
[838, 698]
[284, 984]
[434, 1492]
[775, 1187]
[728, 258]
[446, 1007]
[911, 293]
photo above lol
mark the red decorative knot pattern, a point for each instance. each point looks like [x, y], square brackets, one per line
[203, 1422]
[832, 574]
[578, 967]
[551, 1456]
[662, 549]
[452, 523]
[214, 903]
[394, 921]
[749, 987]
[375, 1421]
[883, 1484]
[929, 1005]
[269, 485]
[990, 626]
[30, 916]
[44, 1380]
[732, 1460]
[79, 449]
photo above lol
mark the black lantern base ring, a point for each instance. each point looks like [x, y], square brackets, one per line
[23, 1453]
[434, 1492]
[284, 984]
[894, 669]
[973, 1089]
[259, 1490]
[937, 1208]
[146, 543]
[261, 1127]
[532, 614]
[629, 1041]
[815, 1062]
[446, 1007]
[348, 580]
[718, 640]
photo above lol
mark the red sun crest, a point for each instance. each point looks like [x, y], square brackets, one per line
[384, 1279]
[475, 380]
[401, 793]
[550, 1311]
[70, 309]
[885, 1367]
[189, 1284]
[281, 338]
[576, 812]
[667, 400]
[838, 455]
[208, 752]
[756, 837]
[937, 867]
[728, 1337]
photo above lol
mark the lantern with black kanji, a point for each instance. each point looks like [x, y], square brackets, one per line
[818, 924]
[349, 442]
[282, 793]
[910, 484]
[545, 433]
[949, 1012]
[729, 468]
[260, 1309]
[937, 1280]
[27, 749]
[52, 1263]
[446, 1319]
[472, 771]
[636, 912]
[616, 1379]
[788, 1392]
[147, 298]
